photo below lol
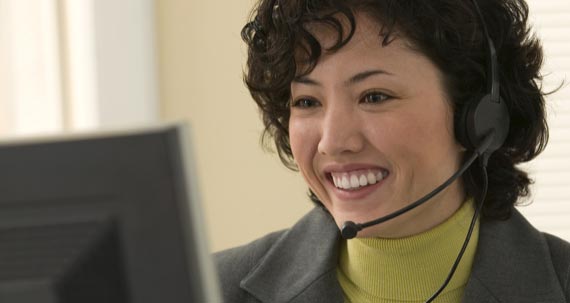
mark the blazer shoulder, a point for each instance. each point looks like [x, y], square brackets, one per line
[560, 254]
[235, 263]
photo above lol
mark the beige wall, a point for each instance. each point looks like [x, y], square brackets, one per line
[246, 192]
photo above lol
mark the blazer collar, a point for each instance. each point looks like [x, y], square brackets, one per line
[512, 264]
[301, 265]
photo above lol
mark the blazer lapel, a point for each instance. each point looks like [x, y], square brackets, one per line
[512, 264]
[301, 266]
[477, 292]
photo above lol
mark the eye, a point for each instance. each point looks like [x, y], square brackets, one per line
[305, 103]
[375, 97]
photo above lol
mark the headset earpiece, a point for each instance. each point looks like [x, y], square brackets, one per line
[490, 113]
[478, 118]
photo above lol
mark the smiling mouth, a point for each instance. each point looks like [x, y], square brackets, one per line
[357, 179]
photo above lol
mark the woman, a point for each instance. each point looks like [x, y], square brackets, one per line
[372, 101]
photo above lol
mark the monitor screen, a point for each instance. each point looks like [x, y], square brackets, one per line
[108, 217]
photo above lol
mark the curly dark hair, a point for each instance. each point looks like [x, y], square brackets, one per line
[449, 33]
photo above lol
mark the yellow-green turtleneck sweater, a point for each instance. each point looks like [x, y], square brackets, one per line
[409, 269]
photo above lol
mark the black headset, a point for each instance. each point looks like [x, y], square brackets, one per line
[487, 114]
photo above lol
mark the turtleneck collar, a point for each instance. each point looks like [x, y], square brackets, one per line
[409, 269]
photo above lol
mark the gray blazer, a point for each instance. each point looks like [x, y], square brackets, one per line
[514, 263]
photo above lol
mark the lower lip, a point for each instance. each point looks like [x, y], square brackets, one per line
[356, 194]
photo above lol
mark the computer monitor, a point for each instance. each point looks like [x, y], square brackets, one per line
[100, 218]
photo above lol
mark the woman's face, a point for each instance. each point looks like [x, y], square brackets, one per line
[371, 131]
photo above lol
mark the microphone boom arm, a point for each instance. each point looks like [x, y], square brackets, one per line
[350, 229]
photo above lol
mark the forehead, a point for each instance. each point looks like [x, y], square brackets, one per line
[407, 68]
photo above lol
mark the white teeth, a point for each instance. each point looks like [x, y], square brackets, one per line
[354, 181]
[371, 178]
[379, 176]
[357, 179]
[362, 180]
[345, 184]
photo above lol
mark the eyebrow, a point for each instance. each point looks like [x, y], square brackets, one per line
[352, 80]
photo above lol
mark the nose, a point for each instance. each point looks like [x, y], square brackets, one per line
[341, 132]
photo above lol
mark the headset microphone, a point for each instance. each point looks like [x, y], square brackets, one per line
[350, 229]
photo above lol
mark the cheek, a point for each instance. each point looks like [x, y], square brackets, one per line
[304, 140]
[295, 139]
[425, 137]
[433, 127]
[431, 141]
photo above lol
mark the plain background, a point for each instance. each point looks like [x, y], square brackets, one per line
[246, 192]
